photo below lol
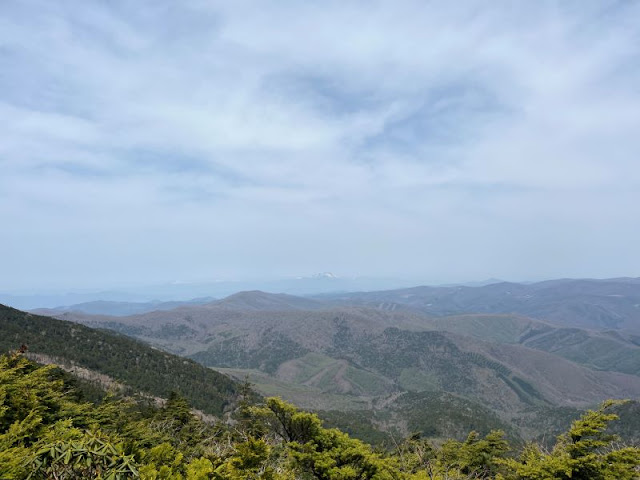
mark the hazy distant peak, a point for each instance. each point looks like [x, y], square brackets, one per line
[324, 275]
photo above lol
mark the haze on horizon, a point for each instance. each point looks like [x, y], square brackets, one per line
[145, 142]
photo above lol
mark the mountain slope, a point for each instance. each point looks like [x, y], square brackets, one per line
[126, 360]
[257, 300]
[606, 350]
[188, 330]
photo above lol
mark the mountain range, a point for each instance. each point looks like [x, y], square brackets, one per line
[587, 303]
[394, 359]
[597, 304]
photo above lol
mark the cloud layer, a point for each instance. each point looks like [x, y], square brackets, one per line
[152, 141]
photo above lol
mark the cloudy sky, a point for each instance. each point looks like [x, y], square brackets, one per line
[146, 142]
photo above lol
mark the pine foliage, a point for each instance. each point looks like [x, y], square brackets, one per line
[47, 432]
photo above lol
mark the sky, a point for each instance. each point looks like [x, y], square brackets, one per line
[159, 141]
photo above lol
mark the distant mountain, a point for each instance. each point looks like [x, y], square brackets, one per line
[325, 282]
[257, 300]
[117, 358]
[325, 275]
[480, 283]
[28, 301]
[591, 304]
[119, 309]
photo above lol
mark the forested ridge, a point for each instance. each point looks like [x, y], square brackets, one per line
[134, 364]
[48, 432]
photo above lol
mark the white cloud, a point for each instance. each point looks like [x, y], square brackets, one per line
[448, 141]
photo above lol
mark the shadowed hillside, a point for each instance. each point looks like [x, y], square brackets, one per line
[122, 359]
